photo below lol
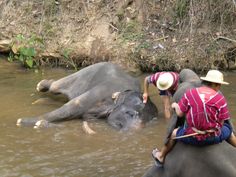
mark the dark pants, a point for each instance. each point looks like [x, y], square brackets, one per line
[226, 131]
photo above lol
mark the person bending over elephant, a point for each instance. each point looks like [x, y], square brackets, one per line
[167, 84]
[206, 113]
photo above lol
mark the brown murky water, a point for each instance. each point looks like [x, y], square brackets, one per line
[65, 150]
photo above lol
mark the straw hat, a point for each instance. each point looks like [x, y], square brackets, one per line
[214, 76]
[165, 81]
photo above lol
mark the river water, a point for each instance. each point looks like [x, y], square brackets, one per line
[65, 150]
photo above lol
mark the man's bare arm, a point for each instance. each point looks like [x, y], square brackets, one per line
[177, 109]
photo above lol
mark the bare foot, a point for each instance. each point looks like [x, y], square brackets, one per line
[156, 154]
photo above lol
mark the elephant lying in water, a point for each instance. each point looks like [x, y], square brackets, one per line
[191, 161]
[102, 90]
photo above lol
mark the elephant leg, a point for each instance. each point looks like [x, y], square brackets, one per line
[61, 86]
[44, 85]
[80, 82]
[27, 121]
[75, 108]
[64, 84]
[68, 111]
[71, 86]
[55, 87]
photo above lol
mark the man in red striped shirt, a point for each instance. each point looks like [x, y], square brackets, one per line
[206, 112]
[167, 84]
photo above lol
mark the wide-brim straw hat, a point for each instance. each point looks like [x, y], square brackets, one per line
[164, 81]
[214, 76]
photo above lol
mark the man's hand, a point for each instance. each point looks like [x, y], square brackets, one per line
[174, 105]
[145, 97]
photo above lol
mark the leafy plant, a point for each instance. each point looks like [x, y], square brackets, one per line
[182, 7]
[66, 54]
[24, 49]
[142, 45]
[131, 31]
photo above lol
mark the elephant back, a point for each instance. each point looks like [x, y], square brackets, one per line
[194, 161]
[183, 87]
[187, 79]
[188, 75]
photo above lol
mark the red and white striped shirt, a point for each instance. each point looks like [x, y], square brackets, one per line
[205, 109]
[154, 77]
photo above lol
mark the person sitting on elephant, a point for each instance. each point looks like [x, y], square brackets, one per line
[167, 84]
[207, 116]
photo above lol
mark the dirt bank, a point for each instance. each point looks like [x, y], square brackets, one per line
[150, 35]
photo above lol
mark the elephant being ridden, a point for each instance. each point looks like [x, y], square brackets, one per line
[187, 160]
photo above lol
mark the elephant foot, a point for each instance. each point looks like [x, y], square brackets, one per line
[87, 129]
[41, 124]
[18, 122]
[26, 122]
[44, 85]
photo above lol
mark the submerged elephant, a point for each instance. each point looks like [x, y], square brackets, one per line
[191, 161]
[102, 90]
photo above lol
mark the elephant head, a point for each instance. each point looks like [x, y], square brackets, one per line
[130, 112]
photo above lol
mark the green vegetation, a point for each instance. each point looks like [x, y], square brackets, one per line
[154, 34]
[182, 8]
[142, 45]
[50, 8]
[24, 50]
[131, 31]
[66, 54]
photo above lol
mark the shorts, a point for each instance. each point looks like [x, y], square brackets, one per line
[226, 132]
[163, 92]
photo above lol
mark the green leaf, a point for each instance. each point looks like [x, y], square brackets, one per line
[29, 52]
[29, 62]
[20, 37]
[21, 58]
[24, 49]
[10, 58]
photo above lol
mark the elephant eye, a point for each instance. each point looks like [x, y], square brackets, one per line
[119, 125]
[129, 113]
[132, 113]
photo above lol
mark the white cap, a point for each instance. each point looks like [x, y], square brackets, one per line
[214, 76]
[165, 81]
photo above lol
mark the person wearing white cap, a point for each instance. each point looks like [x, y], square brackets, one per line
[207, 117]
[166, 83]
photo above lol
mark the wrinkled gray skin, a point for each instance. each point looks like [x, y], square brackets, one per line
[89, 92]
[192, 161]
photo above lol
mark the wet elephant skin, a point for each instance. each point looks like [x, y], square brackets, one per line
[192, 161]
[90, 91]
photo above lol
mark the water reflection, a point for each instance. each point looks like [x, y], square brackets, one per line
[65, 150]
